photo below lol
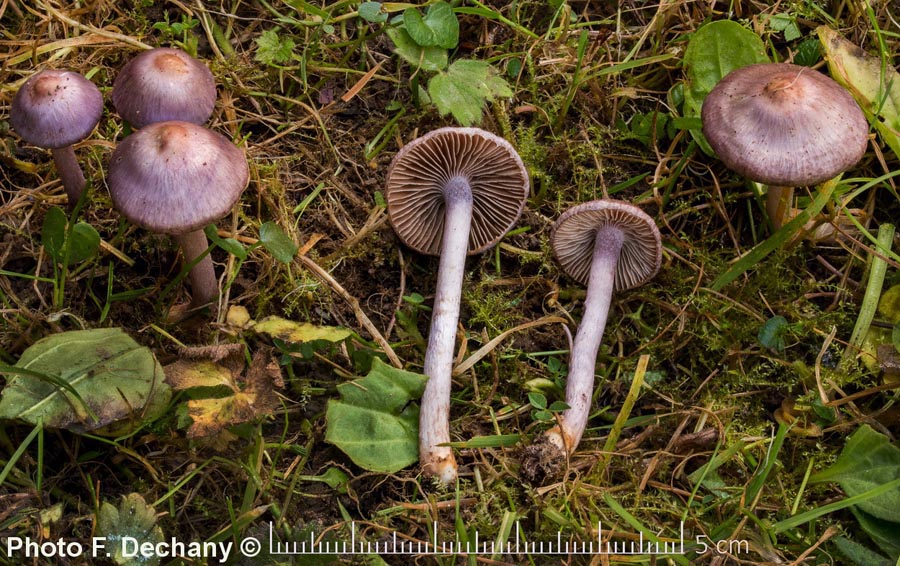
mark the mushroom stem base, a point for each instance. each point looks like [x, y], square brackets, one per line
[69, 173]
[204, 287]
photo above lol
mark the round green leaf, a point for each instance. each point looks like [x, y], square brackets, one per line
[85, 380]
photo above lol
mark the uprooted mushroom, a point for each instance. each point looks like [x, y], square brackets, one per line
[452, 192]
[611, 246]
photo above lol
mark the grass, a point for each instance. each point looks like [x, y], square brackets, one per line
[684, 423]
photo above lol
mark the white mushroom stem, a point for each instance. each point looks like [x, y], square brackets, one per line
[204, 287]
[583, 359]
[434, 420]
[69, 172]
[778, 204]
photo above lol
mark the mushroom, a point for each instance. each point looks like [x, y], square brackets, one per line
[784, 125]
[452, 192]
[609, 245]
[164, 84]
[175, 178]
[55, 109]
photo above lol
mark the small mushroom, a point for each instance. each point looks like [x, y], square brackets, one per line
[164, 84]
[784, 125]
[55, 109]
[175, 178]
[452, 192]
[609, 245]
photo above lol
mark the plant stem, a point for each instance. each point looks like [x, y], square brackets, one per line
[69, 173]
[583, 360]
[434, 420]
[877, 271]
[204, 287]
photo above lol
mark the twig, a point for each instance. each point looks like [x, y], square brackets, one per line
[364, 320]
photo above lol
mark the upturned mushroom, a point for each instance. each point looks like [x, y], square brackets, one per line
[609, 245]
[175, 178]
[55, 109]
[453, 192]
[784, 125]
[164, 84]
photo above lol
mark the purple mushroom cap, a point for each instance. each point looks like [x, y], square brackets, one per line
[164, 84]
[55, 109]
[784, 125]
[176, 177]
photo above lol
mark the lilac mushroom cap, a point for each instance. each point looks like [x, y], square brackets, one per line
[164, 84]
[422, 168]
[54, 109]
[784, 125]
[176, 177]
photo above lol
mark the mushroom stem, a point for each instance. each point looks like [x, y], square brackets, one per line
[69, 173]
[434, 420]
[204, 287]
[778, 204]
[583, 359]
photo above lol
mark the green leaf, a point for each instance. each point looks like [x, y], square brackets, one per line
[715, 50]
[374, 422]
[426, 58]
[83, 242]
[230, 245]
[771, 334]
[128, 526]
[464, 88]
[444, 25]
[886, 534]
[372, 12]
[868, 460]
[859, 554]
[537, 400]
[418, 30]
[120, 383]
[53, 232]
[298, 332]
[875, 86]
[279, 244]
[273, 49]
[809, 51]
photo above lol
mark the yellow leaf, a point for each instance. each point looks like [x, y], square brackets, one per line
[298, 332]
[189, 374]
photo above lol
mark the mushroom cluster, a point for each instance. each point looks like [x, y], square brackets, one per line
[786, 126]
[171, 176]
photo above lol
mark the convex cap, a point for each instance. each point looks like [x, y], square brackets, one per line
[784, 124]
[421, 169]
[575, 232]
[55, 109]
[164, 84]
[176, 177]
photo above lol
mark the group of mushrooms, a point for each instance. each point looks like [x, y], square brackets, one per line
[452, 192]
[171, 176]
